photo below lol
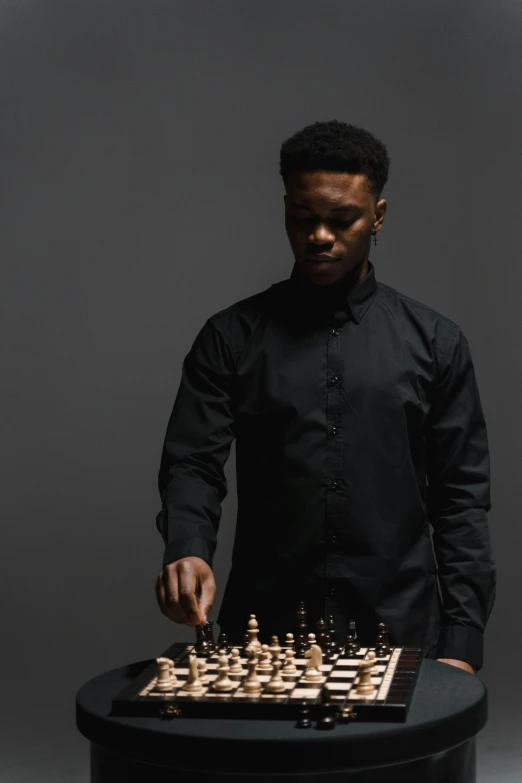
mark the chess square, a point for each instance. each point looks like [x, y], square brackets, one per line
[305, 693]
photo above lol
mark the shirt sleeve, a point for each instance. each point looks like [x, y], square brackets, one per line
[458, 500]
[198, 440]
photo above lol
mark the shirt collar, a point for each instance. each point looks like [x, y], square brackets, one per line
[358, 297]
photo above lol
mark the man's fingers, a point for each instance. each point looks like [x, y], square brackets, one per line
[187, 583]
[169, 594]
[206, 598]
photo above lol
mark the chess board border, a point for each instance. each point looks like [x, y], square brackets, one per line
[393, 708]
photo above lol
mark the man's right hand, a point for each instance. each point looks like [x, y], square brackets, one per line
[186, 590]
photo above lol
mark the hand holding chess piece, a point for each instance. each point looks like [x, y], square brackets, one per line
[185, 591]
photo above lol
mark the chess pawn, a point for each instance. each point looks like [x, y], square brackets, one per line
[222, 642]
[246, 642]
[223, 681]
[275, 683]
[193, 684]
[303, 720]
[350, 647]
[164, 682]
[253, 630]
[327, 710]
[289, 666]
[235, 663]
[290, 641]
[202, 672]
[265, 664]
[365, 686]
[275, 648]
[251, 683]
[311, 641]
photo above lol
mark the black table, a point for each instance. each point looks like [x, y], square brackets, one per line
[435, 745]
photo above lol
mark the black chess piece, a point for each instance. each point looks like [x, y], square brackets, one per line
[333, 634]
[209, 636]
[246, 642]
[382, 646]
[350, 647]
[327, 711]
[202, 646]
[303, 721]
[330, 649]
[222, 642]
[352, 629]
[321, 636]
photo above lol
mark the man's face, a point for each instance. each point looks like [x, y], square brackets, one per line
[331, 214]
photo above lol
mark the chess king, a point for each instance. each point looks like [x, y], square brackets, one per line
[361, 448]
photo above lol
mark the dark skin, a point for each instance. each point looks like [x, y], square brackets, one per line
[325, 212]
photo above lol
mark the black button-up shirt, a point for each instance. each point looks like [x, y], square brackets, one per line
[358, 425]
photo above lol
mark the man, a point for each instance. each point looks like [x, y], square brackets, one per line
[358, 424]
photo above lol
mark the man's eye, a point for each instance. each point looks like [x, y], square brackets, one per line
[307, 219]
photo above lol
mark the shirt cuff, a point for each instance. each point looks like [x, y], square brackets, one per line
[188, 547]
[462, 643]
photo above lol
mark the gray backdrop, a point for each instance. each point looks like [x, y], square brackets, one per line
[141, 194]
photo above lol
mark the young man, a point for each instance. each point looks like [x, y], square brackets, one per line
[358, 424]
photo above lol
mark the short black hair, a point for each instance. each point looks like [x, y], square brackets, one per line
[336, 146]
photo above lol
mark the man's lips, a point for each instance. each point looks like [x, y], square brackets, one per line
[321, 258]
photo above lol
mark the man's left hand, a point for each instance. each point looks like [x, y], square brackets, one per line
[459, 664]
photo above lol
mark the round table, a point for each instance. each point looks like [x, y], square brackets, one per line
[436, 744]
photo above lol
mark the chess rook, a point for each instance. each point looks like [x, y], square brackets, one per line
[164, 682]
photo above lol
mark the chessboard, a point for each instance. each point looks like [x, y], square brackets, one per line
[390, 682]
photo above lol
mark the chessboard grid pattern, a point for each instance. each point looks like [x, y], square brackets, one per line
[340, 677]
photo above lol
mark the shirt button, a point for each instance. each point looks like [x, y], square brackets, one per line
[332, 538]
[333, 430]
[334, 485]
[335, 333]
[330, 592]
[334, 380]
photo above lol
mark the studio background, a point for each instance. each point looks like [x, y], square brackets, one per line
[141, 194]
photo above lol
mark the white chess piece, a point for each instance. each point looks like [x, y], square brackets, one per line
[172, 673]
[265, 664]
[289, 666]
[275, 684]
[202, 671]
[223, 682]
[371, 657]
[251, 683]
[290, 641]
[164, 682]
[235, 663]
[193, 684]
[253, 630]
[313, 664]
[275, 648]
[365, 687]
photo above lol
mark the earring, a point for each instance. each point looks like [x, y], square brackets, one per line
[374, 234]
